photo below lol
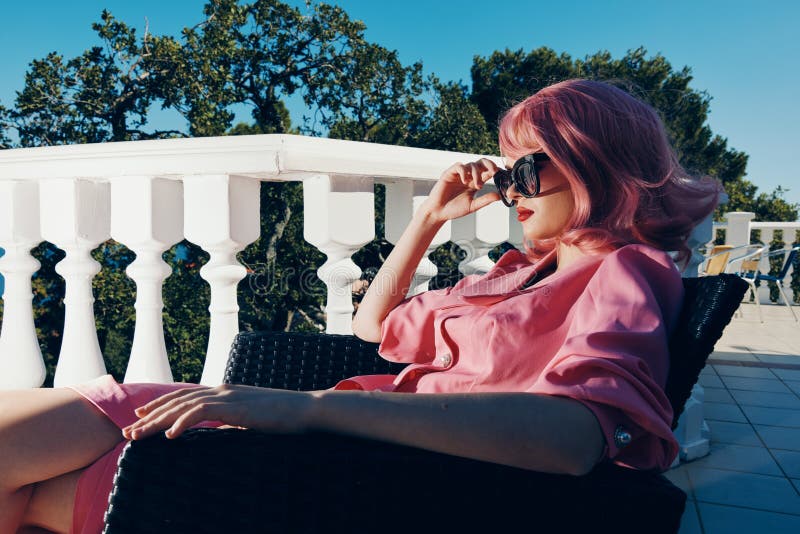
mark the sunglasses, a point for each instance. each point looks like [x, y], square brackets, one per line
[524, 175]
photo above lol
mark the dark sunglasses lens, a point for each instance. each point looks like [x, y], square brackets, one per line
[526, 179]
[502, 180]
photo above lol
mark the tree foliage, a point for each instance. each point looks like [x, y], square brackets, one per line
[256, 54]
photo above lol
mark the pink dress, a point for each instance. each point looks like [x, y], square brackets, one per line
[595, 332]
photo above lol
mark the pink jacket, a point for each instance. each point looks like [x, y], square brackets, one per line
[595, 332]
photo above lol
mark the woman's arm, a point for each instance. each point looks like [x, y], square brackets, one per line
[453, 196]
[525, 430]
[537, 432]
[393, 280]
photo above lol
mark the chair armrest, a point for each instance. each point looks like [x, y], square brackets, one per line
[708, 306]
[214, 480]
[302, 361]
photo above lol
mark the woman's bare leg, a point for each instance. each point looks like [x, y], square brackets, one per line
[45, 433]
[50, 506]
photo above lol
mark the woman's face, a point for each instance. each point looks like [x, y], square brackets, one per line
[546, 215]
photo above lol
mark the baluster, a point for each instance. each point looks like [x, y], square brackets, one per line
[767, 235]
[221, 214]
[403, 199]
[147, 216]
[21, 363]
[339, 220]
[75, 218]
[737, 232]
[790, 237]
[478, 233]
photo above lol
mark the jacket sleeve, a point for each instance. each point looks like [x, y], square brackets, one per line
[615, 357]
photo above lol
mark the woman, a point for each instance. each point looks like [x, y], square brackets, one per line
[553, 361]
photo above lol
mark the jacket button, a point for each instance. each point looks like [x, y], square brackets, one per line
[444, 359]
[622, 437]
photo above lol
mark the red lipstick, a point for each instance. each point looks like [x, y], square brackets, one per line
[523, 214]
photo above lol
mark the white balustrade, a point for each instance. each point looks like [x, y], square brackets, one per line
[478, 233]
[340, 219]
[21, 363]
[221, 214]
[75, 218]
[147, 215]
[403, 199]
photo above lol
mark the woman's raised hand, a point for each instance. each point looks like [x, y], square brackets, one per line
[453, 195]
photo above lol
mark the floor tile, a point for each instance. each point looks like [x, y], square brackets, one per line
[679, 477]
[710, 381]
[720, 411]
[776, 437]
[718, 395]
[739, 458]
[773, 385]
[789, 461]
[778, 358]
[690, 522]
[794, 385]
[749, 490]
[736, 433]
[708, 371]
[732, 356]
[719, 519]
[759, 415]
[787, 374]
[748, 372]
[767, 399]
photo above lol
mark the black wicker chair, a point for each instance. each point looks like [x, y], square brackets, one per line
[232, 481]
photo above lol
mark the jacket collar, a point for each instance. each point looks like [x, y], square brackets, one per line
[508, 276]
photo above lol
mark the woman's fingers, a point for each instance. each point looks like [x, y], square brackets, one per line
[160, 401]
[197, 414]
[165, 419]
[164, 405]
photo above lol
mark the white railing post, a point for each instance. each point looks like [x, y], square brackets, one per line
[75, 218]
[21, 363]
[339, 220]
[403, 199]
[478, 233]
[737, 232]
[221, 214]
[147, 216]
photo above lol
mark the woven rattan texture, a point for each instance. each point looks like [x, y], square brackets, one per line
[244, 481]
[298, 361]
[708, 305]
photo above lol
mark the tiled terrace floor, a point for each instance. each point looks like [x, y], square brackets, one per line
[751, 480]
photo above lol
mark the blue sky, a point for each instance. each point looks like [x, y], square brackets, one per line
[744, 54]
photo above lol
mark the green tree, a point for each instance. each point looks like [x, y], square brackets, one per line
[101, 95]
[5, 123]
[454, 122]
[254, 54]
[376, 98]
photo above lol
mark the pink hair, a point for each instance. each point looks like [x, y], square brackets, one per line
[625, 178]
